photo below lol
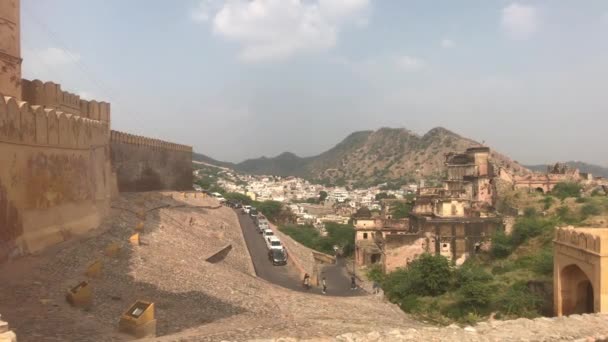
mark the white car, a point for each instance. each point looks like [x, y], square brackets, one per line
[273, 242]
[266, 233]
[246, 209]
[262, 226]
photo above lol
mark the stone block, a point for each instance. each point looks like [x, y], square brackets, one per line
[112, 249]
[134, 239]
[94, 269]
[3, 327]
[81, 295]
[8, 336]
[138, 320]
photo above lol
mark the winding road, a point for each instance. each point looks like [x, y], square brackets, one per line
[337, 277]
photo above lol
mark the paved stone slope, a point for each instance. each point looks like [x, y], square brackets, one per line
[585, 328]
[192, 297]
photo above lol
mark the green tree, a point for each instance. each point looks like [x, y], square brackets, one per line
[566, 189]
[241, 198]
[270, 209]
[384, 195]
[428, 275]
[401, 210]
[322, 196]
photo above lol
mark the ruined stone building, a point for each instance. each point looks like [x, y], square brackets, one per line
[455, 220]
[545, 182]
[61, 163]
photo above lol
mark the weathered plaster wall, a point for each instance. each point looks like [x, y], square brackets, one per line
[143, 164]
[10, 48]
[55, 176]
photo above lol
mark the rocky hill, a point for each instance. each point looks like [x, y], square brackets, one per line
[372, 157]
[595, 170]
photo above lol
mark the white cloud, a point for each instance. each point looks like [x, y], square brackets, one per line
[447, 43]
[56, 57]
[409, 63]
[279, 29]
[520, 21]
[204, 10]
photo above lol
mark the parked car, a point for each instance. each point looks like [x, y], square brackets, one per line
[263, 226]
[266, 233]
[246, 209]
[277, 257]
[253, 212]
[273, 242]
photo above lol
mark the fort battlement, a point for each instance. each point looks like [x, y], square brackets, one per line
[571, 236]
[22, 123]
[49, 95]
[126, 138]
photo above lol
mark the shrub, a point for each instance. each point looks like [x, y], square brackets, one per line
[429, 275]
[474, 290]
[434, 275]
[410, 304]
[565, 190]
[566, 215]
[548, 202]
[475, 294]
[518, 300]
[530, 212]
[501, 245]
[529, 227]
[470, 272]
[591, 209]
[542, 263]
[374, 273]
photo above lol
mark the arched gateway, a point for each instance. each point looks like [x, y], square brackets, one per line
[580, 271]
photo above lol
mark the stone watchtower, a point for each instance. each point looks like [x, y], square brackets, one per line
[10, 49]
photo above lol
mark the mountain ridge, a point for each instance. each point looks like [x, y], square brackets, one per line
[371, 157]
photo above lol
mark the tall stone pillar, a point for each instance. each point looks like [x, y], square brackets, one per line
[10, 48]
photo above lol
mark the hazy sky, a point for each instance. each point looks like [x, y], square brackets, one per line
[245, 78]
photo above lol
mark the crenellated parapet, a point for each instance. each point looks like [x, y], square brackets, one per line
[49, 95]
[126, 138]
[22, 123]
[579, 238]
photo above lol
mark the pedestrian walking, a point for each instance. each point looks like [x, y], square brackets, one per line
[353, 283]
[324, 282]
[376, 288]
[307, 281]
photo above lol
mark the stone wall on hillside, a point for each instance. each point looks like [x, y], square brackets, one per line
[50, 95]
[55, 179]
[144, 164]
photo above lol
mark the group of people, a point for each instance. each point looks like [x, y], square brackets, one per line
[307, 286]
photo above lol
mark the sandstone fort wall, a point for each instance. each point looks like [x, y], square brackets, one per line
[55, 179]
[50, 95]
[144, 164]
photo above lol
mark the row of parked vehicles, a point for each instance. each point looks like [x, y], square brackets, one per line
[276, 252]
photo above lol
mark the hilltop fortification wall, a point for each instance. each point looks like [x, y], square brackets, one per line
[55, 179]
[144, 164]
[50, 95]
